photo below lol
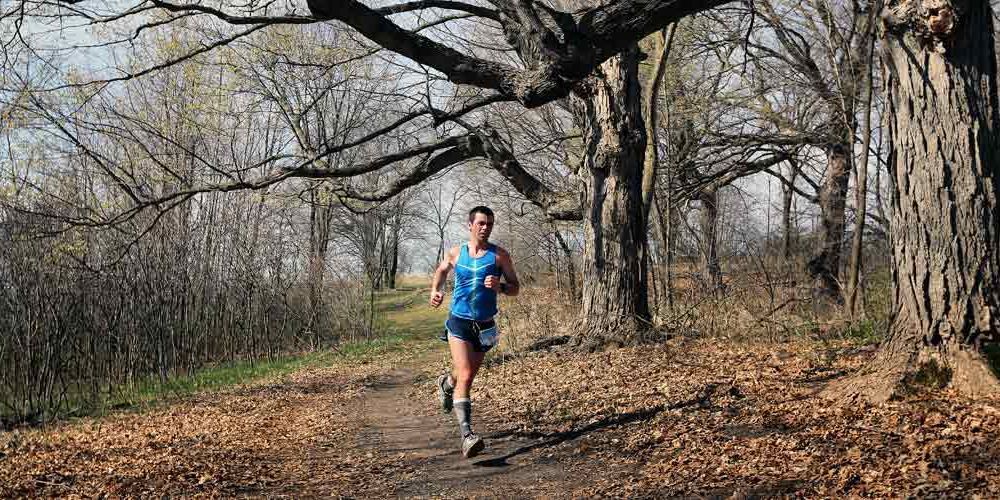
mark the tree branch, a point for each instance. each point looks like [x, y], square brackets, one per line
[231, 19]
[372, 166]
[592, 36]
[725, 177]
[439, 4]
[557, 205]
[458, 67]
[165, 64]
[467, 149]
[791, 185]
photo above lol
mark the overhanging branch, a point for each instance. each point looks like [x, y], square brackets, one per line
[231, 19]
[557, 205]
[589, 38]
[439, 4]
[468, 148]
[562, 47]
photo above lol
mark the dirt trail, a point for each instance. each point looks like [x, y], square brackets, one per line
[402, 422]
[362, 430]
[719, 422]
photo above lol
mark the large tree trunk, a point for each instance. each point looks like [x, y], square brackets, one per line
[945, 222]
[823, 267]
[615, 303]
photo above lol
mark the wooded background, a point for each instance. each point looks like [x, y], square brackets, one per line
[183, 184]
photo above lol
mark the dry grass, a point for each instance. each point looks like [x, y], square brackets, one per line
[703, 414]
[289, 435]
[534, 314]
[732, 415]
[772, 307]
[754, 306]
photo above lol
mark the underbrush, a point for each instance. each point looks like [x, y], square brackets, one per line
[751, 308]
[730, 406]
[534, 314]
[758, 307]
[400, 323]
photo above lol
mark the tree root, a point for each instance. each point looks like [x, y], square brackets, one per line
[894, 374]
[627, 333]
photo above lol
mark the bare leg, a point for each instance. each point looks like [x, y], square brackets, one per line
[466, 362]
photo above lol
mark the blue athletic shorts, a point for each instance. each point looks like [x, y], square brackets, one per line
[483, 335]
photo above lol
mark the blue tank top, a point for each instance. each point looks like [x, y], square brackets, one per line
[471, 299]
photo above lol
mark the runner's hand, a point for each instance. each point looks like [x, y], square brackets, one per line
[436, 298]
[492, 282]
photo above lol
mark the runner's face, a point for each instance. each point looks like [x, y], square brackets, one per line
[481, 227]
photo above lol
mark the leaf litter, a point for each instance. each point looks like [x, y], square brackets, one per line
[712, 418]
[687, 417]
[292, 436]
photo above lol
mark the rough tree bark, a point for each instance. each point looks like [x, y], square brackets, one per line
[562, 47]
[825, 263]
[615, 296]
[945, 231]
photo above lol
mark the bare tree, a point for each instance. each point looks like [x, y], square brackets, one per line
[942, 96]
[88, 313]
[861, 185]
[702, 107]
[442, 209]
[820, 50]
[586, 52]
[560, 50]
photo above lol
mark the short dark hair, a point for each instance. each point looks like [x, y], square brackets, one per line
[480, 210]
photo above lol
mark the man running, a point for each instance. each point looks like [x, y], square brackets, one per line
[470, 330]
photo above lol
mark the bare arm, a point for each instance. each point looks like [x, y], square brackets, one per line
[511, 286]
[441, 275]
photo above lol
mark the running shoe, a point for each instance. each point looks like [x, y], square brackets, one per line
[472, 445]
[445, 393]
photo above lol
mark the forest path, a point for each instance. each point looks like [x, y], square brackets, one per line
[403, 422]
[369, 427]
[366, 425]
[710, 419]
[418, 446]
